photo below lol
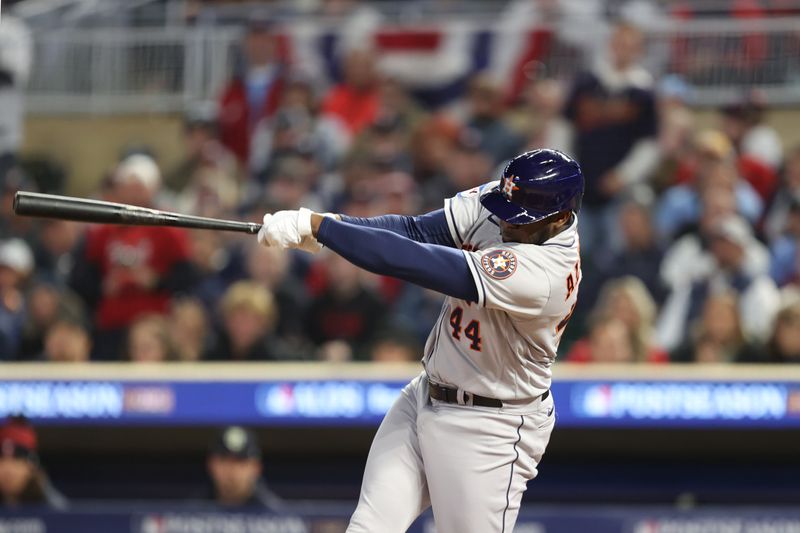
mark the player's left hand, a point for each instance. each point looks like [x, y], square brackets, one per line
[289, 229]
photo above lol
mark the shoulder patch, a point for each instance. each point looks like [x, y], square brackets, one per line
[499, 264]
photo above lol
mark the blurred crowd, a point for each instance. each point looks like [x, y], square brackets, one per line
[689, 236]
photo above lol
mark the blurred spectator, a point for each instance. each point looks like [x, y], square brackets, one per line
[396, 105]
[202, 149]
[67, 341]
[396, 193]
[386, 141]
[16, 54]
[358, 20]
[149, 340]
[355, 100]
[292, 138]
[357, 172]
[468, 165]
[785, 250]
[713, 172]
[627, 299]
[738, 263]
[484, 118]
[676, 129]
[640, 256]
[214, 262]
[345, 310]
[13, 180]
[787, 194]
[252, 95]
[53, 247]
[188, 328]
[432, 145]
[271, 268]
[205, 182]
[688, 258]
[784, 343]
[235, 468]
[248, 317]
[123, 272]
[718, 336]
[612, 111]
[335, 351]
[396, 347]
[539, 117]
[292, 183]
[327, 135]
[609, 341]
[23, 481]
[47, 304]
[300, 129]
[759, 148]
[416, 309]
[16, 264]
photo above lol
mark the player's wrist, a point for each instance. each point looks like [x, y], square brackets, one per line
[316, 222]
[317, 218]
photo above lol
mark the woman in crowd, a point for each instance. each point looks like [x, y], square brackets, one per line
[784, 345]
[627, 301]
[718, 337]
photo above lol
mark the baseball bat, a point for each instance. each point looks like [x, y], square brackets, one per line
[98, 211]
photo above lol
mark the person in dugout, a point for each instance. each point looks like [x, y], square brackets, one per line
[23, 481]
[235, 468]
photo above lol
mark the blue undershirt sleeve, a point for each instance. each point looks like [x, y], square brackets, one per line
[436, 267]
[430, 228]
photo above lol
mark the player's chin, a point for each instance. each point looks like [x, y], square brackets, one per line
[508, 236]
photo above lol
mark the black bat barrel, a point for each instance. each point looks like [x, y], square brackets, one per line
[98, 211]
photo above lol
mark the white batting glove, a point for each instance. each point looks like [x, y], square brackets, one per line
[289, 229]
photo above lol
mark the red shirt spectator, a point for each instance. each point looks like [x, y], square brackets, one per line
[254, 93]
[355, 101]
[124, 272]
[132, 262]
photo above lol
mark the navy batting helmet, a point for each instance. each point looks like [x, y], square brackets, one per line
[534, 186]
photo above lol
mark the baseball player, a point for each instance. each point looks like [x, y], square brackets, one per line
[467, 434]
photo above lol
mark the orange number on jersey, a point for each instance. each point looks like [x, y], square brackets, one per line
[572, 284]
[572, 281]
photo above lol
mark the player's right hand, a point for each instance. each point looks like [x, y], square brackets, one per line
[289, 229]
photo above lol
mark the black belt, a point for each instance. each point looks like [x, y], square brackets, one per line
[446, 394]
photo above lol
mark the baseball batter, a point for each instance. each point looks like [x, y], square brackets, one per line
[467, 434]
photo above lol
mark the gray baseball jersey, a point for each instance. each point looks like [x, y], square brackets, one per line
[472, 463]
[503, 346]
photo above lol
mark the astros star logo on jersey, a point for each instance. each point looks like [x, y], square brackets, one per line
[499, 264]
[509, 187]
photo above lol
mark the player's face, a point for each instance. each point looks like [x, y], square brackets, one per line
[536, 232]
[15, 473]
[234, 478]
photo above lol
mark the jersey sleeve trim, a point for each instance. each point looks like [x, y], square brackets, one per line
[476, 276]
[451, 222]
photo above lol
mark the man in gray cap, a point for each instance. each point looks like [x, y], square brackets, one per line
[234, 465]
